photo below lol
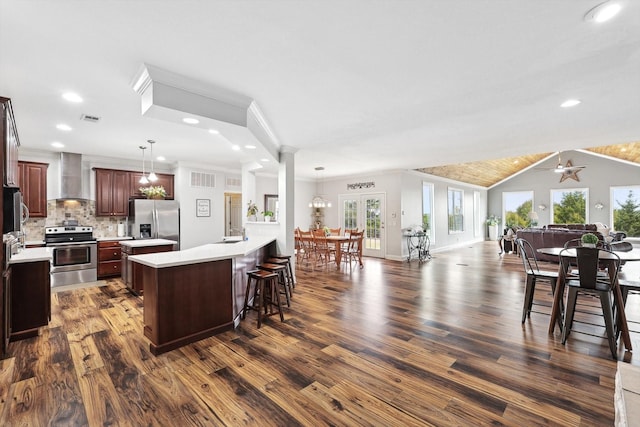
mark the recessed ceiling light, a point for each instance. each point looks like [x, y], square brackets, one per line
[250, 147]
[72, 97]
[160, 158]
[570, 103]
[64, 127]
[214, 132]
[603, 12]
[235, 147]
[191, 120]
[264, 160]
[57, 144]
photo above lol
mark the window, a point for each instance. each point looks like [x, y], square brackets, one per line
[516, 207]
[569, 206]
[456, 216]
[350, 214]
[625, 204]
[427, 208]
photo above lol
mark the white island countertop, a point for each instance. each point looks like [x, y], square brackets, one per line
[141, 243]
[204, 253]
[31, 255]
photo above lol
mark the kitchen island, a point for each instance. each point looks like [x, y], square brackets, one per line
[131, 272]
[195, 293]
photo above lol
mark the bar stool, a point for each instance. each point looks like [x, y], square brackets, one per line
[278, 269]
[288, 258]
[288, 276]
[265, 295]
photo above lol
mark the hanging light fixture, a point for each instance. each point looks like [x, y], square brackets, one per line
[152, 175]
[318, 200]
[143, 179]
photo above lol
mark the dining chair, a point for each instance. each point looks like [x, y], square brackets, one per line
[306, 247]
[534, 275]
[335, 231]
[353, 252]
[590, 283]
[322, 251]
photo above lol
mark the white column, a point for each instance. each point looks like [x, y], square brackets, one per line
[286, 188]
[248, 187]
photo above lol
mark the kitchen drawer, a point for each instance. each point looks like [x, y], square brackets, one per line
[109, 254]
[109, 268]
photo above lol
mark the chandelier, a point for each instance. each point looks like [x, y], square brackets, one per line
[318, 200]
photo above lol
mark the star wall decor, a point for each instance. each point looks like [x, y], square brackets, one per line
[570, 173]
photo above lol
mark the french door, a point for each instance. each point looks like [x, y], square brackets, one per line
[366, 212]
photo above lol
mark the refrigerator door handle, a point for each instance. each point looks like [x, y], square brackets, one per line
[154, 214]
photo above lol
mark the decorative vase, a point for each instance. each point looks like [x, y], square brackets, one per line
[589, 245]
[251, 217]
[156, 197]
[493, 232]
[267, 219]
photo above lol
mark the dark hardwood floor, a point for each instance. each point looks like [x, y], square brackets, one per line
[438, 343]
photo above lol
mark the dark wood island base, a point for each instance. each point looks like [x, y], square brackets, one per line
[186, 303]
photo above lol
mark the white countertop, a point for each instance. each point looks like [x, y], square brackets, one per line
[34, 243]
[204, 253]
[31, 255]
[141, 243]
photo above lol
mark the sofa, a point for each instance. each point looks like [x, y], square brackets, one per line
[555, 236]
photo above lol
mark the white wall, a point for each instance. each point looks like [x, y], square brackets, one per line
[403, 193]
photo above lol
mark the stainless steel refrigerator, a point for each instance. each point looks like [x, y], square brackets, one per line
[154, 219]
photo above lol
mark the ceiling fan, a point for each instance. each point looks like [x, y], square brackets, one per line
[566, 168]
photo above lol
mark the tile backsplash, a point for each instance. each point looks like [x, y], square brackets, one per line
[82, 211]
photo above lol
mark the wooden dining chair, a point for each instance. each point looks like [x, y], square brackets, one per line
[590, 283]
[533, 275]
[306, 247]
[322, 251]
[353, 252]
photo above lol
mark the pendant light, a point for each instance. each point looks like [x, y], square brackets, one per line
[318, 200]
[152, 175]
[143, 179]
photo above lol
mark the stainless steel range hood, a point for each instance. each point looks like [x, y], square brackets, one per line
[70, 177]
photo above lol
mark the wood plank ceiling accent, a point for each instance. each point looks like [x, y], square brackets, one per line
[489, 172]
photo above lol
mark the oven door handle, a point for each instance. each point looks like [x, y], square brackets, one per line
[53, 245]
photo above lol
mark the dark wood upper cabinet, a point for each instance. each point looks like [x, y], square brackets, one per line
[165, 180]
[115, 187]
[32, 180]
[112, 192]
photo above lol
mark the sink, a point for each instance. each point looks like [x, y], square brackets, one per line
[229, 241]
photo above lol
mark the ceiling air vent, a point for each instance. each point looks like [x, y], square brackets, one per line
[234, 182]
[88, 118]
[201, 179]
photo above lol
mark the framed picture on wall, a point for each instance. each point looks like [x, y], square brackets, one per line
[203, 207]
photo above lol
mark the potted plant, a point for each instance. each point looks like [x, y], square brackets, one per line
[589, 240]
[493, 222]
[267, 216]
[327, 230]
[252, 211]
[154, 192]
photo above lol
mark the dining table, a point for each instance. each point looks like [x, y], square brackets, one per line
[606, 257]
[338, 240]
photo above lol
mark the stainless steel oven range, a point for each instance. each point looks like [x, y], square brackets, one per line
[75, 254]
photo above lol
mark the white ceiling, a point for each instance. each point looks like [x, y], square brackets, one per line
[356, 86]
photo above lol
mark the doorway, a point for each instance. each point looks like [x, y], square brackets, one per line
[366, 212]
[232, 214]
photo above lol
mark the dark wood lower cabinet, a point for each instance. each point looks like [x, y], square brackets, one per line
[131, 271]
[186, 303]
[30, 298]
